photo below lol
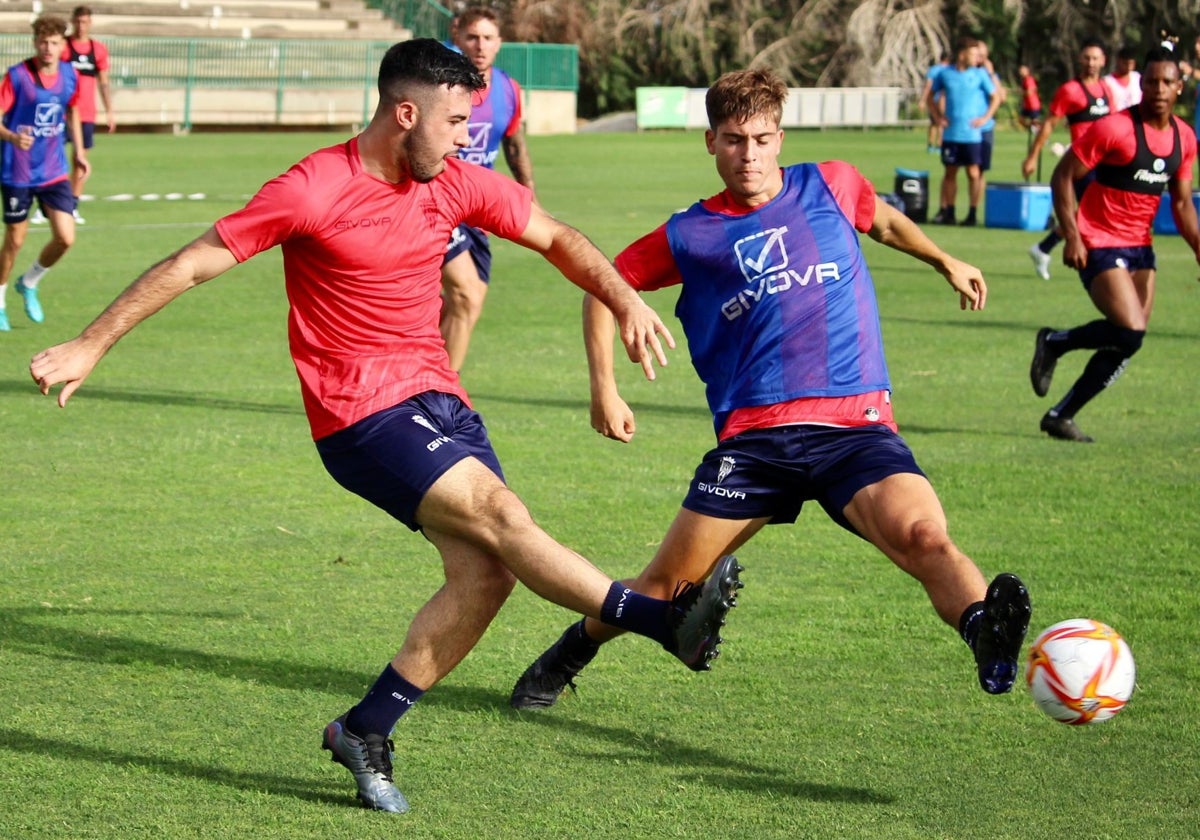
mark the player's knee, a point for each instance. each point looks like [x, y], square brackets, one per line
[1128, 341]
[925, 541]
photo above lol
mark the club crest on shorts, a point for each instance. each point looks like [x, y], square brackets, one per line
[727, 465]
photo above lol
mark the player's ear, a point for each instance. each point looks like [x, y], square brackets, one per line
[710, 140]
[406, 114]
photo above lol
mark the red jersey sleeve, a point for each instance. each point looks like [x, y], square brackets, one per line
[484, 198]
[648, 264]
[7, 98]
[514, 124]
[853, 192]
[281, 209]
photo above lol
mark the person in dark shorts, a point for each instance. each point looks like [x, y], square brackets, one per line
[1134, 154]
[362, 225]
[38, 99]
[780, 314]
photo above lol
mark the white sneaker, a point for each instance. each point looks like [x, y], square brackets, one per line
[1041, 262]
[79, 220]
[36, 218]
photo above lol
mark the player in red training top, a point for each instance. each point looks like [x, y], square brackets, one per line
[37, 100]
[362, 226]
[1135, 154]
[1082, 100]
[89, 57]
[779, 310]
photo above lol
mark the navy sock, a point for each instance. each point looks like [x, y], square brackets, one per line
[637, 613]
[1102, 370]
[1047, 244]
[388, 699]
[1090, 336]
[968, 623]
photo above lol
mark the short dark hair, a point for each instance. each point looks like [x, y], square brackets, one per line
[427, 63]
[1160, 53]
[1127, 53]
[81, 11]
[1094, 42]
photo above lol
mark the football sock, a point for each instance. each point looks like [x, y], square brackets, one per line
[35, 273]
[968, 623]
[3, 294]
[388, 699]
[637, 613]
[1102, 370]
[1047, 244]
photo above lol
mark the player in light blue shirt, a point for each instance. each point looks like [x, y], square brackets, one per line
[962, 120]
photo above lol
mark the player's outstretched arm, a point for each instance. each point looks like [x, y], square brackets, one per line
[894, 229]
[70, 363]
[611, 415]
[583, 264]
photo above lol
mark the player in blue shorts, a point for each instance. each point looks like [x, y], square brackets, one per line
[38, 100]
[780, 315]
[495, 126]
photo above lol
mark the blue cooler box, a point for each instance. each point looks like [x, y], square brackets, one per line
[1164, 222]
[1017, 205]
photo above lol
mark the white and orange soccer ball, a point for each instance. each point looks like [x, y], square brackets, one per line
[1080, 671]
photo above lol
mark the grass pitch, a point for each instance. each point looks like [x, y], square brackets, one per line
[187, 598]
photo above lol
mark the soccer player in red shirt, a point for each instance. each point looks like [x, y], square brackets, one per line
[1082, 100]
[1135, 154]
[89, 57]
[362, 226]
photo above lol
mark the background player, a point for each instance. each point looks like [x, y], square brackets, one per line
[1082, 100]
[89, 57]
[495, 125]
[1134, 154]
[38, 99]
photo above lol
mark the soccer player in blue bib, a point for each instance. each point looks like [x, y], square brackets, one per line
[38, 99]
[495, 125]
[779, 310]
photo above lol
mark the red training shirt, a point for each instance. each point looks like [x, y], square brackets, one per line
[362, 263]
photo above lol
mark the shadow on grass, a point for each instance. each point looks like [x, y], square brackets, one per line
[181, 399]
[702, 765]
[282, 785]
[21, 630]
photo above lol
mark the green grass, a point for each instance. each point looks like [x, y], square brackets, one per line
[187, 598]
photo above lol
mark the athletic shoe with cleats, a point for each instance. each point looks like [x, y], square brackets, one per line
[37, 217]
[1064, 428]
[554, 671]
[1041, 369]
[698, 612]
[943, 217]
[33, 307]
[1006, 611]
[4, 326]
[79, 220]
[1041, 262]
[370, 760]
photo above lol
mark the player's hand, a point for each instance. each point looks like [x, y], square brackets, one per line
[968, 281]
[68, 363]
[1027, 167]
[23, 141]
[1074, 253]
[640, 328]
[613, 418]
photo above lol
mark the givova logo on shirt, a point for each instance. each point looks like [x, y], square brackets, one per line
[479, 136]
[763, 259]
[48, 120]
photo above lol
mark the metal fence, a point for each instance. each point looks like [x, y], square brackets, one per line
[259, 63]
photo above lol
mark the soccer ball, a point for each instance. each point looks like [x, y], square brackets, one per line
[1080, 671]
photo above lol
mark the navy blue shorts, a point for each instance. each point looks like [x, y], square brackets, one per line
[773, 472]
[961, 154]
[88, 130]
[18, 200]
[985, 150]
[1102, 259]
[394, 456]
[475, 241]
